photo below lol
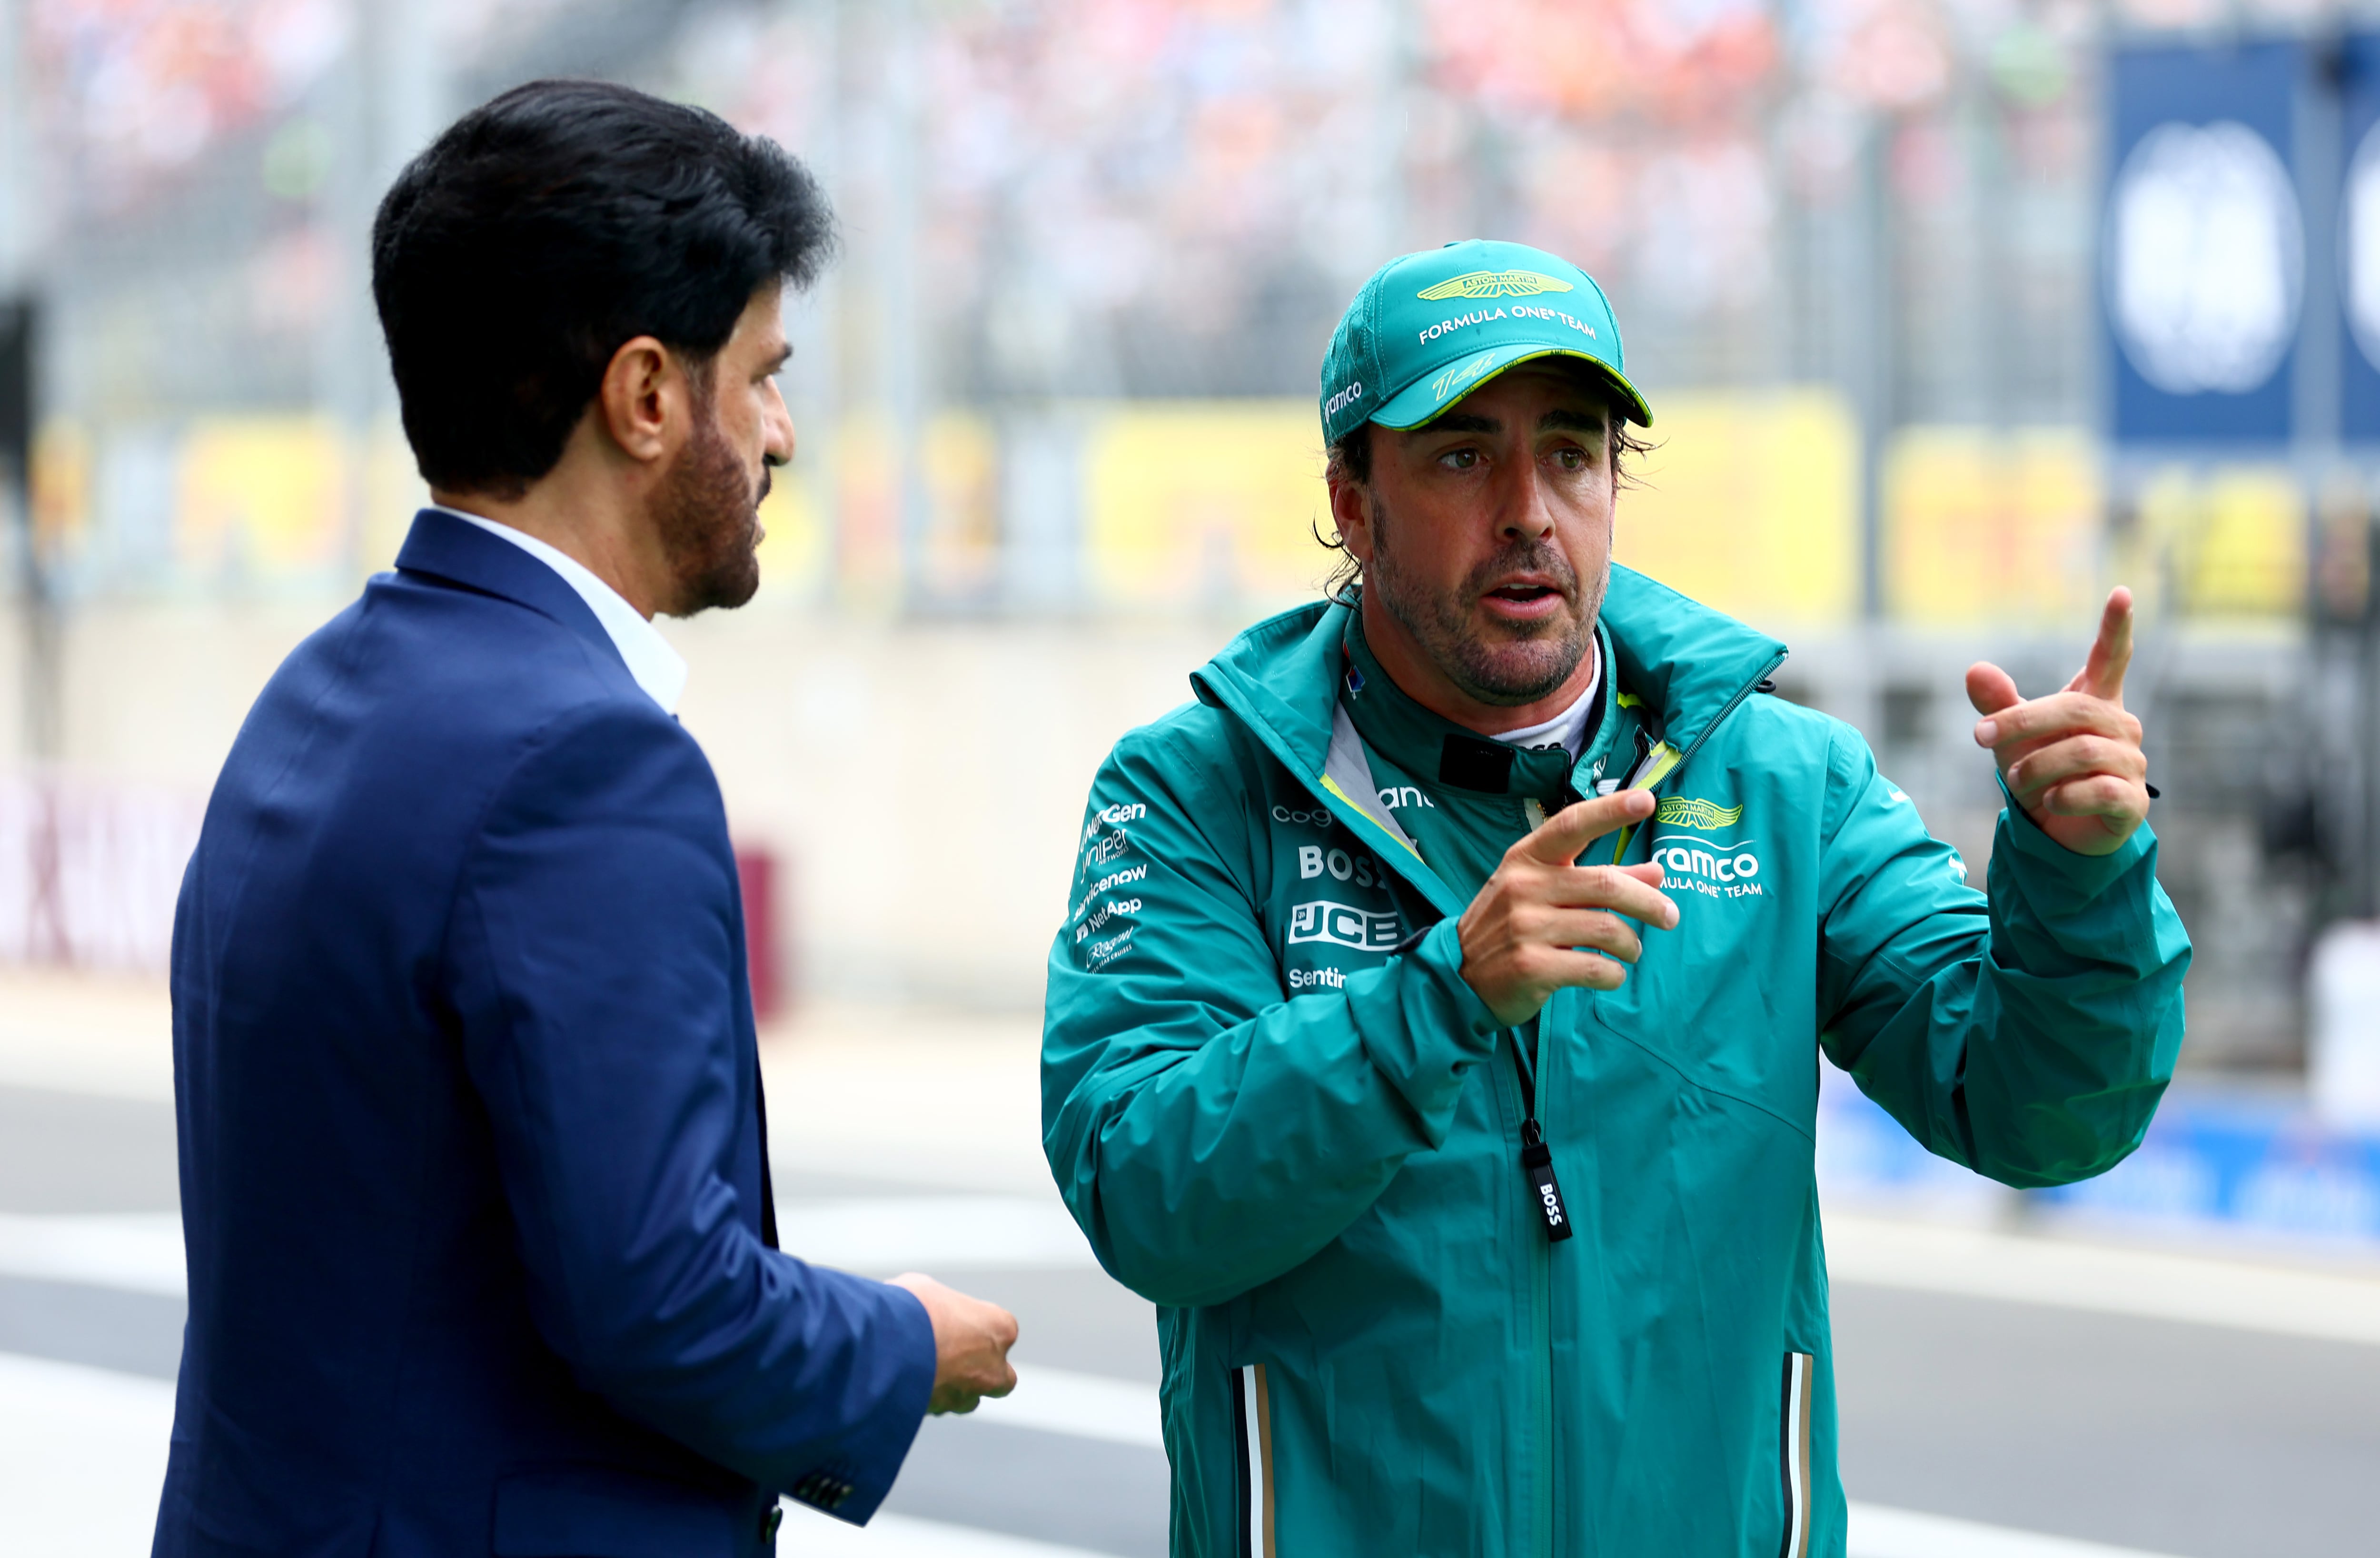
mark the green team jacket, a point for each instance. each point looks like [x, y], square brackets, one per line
[1297, 1131]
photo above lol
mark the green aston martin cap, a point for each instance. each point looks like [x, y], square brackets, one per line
[1429, 328]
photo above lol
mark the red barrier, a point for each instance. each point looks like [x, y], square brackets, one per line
[756, 874]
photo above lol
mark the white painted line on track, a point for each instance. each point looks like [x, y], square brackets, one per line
[82, 1456]
[2153, 1284]
[879, 1236]
[888, 1233]
[900, 1535]
[139, 1252]
[1086, 1405]
[82, 1459]
[1879, 1532]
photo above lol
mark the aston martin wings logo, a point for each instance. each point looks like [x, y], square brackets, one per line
[1687, 811]
[1494, 284]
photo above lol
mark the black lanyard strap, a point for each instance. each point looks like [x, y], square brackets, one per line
[1536, 1158]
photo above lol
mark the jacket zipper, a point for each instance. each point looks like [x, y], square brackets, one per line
[1542, 1301]
[1516, 1089]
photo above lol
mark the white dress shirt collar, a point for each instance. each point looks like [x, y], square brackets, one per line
[658, 668]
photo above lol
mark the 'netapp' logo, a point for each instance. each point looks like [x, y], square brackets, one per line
[1323, 920]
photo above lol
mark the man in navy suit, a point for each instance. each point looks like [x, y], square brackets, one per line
[475, 1178]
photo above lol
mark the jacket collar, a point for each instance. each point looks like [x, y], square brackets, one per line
[1432, 747]
[450, 549]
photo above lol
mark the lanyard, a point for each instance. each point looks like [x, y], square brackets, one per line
[1536, 1158]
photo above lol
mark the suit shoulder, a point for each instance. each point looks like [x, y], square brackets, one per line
[509, 661]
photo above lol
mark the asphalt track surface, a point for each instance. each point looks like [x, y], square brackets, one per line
[2162, 1436]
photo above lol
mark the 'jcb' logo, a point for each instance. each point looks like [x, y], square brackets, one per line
[1323, 920]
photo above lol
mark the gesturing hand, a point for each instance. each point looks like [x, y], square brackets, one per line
[971, 1343]
[1520, 934]
[2072, 760]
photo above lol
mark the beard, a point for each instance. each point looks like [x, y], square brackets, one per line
[1501, 665]
[710, 522]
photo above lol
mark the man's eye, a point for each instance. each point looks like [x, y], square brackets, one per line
[1460, 460]
[1574, 459]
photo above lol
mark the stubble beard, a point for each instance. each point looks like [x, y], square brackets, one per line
[1526, 661]
[708, 515]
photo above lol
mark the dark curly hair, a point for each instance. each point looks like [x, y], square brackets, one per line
[547, 227]
[1349, 459]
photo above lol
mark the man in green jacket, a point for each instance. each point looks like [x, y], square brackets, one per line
[1433, 1034]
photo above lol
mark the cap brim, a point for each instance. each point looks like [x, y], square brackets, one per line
[1426, 399]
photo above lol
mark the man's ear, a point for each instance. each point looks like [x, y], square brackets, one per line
[1351, 510]
[643, 392]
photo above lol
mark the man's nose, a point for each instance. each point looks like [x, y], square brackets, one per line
[1525, 514]
[777, 445]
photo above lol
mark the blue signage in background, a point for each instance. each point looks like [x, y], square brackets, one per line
[2203, 248]
[2358, 240]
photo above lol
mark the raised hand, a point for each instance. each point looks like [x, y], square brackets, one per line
[1522, 934]
[2072, 760]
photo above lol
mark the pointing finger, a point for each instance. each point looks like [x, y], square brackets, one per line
[1567, 832]
[2111, 653]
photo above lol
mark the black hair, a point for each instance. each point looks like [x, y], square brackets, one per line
[546, 228]
[1349, 459]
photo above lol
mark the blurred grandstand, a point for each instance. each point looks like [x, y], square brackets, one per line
[1057, 402]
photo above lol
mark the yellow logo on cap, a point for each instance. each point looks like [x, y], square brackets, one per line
[1455, 378]
[1694, 813]
[1494, 284]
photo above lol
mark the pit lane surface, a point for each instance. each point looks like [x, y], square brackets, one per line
[1998, 1415]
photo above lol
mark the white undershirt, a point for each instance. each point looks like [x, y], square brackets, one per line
[658, 668]
[1569, 727]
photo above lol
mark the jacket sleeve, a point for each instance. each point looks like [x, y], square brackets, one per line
[594, 965]
[1208, 1134]
[2028, 1035]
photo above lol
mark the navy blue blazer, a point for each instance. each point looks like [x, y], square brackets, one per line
[474, 1181]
